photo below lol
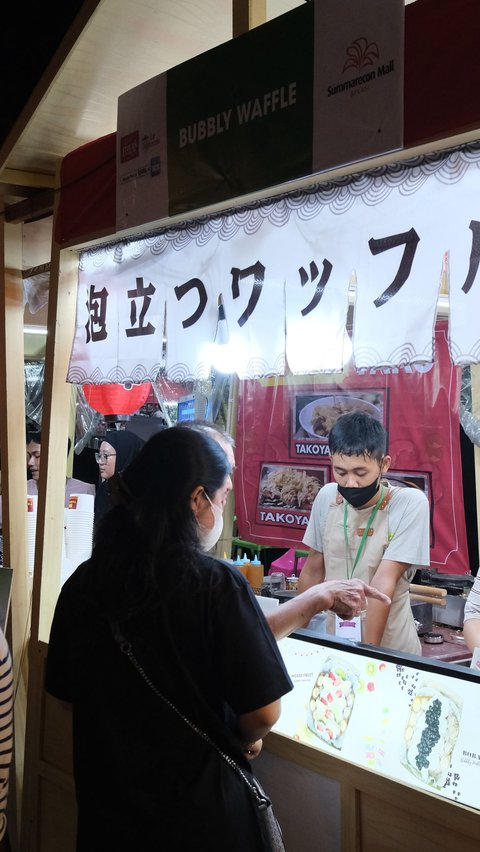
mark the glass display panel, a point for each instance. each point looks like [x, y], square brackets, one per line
[411, 721]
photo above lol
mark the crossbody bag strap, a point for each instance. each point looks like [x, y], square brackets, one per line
[125, 646]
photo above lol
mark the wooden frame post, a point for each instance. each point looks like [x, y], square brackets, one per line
[247, 14]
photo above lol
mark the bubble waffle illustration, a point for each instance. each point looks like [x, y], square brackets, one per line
[431, 732]
[331, 702]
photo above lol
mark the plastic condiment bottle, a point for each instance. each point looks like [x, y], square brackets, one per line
[237, 562]
[255, 573]
[245, 565]
[242, 564]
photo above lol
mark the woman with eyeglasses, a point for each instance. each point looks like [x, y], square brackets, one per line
[116, 451]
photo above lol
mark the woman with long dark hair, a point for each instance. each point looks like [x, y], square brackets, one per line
[144, 779]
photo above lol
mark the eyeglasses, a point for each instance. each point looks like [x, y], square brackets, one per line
[102, 457]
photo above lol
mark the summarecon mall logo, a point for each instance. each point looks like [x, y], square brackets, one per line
[361, 53]
[361, 66]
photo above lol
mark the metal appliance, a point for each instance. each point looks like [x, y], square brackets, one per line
[457, 587]
[423, 616]
[452, 613]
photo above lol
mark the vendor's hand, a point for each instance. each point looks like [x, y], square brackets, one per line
[348, 598]
[252, 750]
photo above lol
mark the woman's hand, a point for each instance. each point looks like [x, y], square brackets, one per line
[252, 750]
[348, 598]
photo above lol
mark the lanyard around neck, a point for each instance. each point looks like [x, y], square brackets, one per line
[364, 536]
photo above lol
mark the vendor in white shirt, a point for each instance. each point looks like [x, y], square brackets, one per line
[344, 597]
[362, 527]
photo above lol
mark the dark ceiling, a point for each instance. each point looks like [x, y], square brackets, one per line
[30, 37]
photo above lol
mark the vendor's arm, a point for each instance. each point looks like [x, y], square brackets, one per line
[345, 597]
[313, 570]
[471, 623]
[385, 580]
[471, 633]
[409, 544]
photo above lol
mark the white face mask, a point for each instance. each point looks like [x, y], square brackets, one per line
[209, 537]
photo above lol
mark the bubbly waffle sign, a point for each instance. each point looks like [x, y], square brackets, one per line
[417, 727]
[253, 112]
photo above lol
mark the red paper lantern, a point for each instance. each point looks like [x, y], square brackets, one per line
[116, 399]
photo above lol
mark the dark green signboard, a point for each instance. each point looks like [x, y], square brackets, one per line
[239, 117]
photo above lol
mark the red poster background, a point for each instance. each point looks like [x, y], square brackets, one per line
[419, 409]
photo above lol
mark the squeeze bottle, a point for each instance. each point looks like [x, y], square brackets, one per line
[245, 566]
[255, 572]
[241, 564]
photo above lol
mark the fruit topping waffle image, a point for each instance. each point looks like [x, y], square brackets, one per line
[431, 733]
[331, 702]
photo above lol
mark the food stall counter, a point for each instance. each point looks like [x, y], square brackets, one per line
[380, 748]
[450, 647]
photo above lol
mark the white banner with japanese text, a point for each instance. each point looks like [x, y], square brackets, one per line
[281, 271]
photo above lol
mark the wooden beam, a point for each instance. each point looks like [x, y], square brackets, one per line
[14, 481]
[57, 403]
[32, 180]
[37, 207]
[247, 14]
[41, 269]
[40, 91]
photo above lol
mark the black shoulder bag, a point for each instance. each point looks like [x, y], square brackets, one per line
[268, 823]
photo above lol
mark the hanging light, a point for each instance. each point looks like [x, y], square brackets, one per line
[115, 398]
[226, 353]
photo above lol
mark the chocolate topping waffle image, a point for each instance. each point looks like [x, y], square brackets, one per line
[431, 732]
[331, 701]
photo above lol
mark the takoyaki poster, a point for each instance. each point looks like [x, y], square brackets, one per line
[283, 457]
[417, 727]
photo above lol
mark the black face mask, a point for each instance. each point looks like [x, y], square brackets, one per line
[359, 496]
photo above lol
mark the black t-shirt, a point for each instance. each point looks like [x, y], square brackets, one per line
[143, 778]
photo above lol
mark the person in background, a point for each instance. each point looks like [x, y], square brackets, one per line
[34, 448]
[345, 597]
[223, 437]
[116, 451]
[471, 617]
[360, 526]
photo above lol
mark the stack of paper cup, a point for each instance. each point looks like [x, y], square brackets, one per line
[79, 528]
[67, 567]
[32, 504]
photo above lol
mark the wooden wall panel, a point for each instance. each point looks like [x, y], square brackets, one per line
[388, 826]
[376, 814]
[57, 823]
